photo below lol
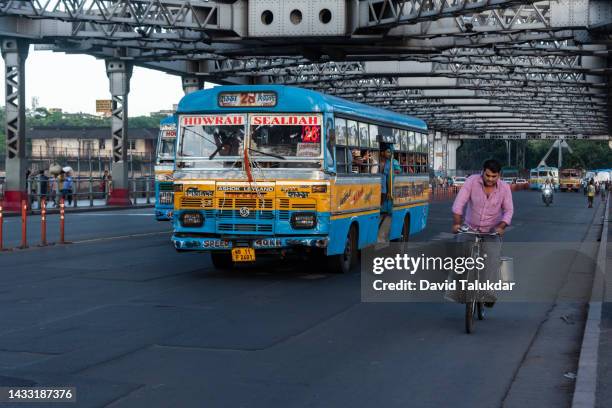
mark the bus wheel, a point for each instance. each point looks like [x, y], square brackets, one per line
[344, 262]
[221, 260]
[405, 235]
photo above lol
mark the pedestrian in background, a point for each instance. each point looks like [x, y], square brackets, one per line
[59, 185]
[67, 188]
[43, 186]
[104, 184]
[591, 192]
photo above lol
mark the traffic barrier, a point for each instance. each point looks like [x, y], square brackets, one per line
[43, 222]
[1, 225]
[62, 219]
[24, 224]
[43, 225]
[443, 193]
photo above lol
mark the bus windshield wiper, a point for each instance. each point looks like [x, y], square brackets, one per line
[276, 156]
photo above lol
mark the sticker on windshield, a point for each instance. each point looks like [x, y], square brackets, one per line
[284, 120]
[308, 149]
[209, 120]
[311, 134]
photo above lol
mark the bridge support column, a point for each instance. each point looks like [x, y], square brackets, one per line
[119, 74]
[444, 153]
[15, 53]
[438, 147]
[451, 154]
[192, 84]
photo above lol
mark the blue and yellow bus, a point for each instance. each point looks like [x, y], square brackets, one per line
[164, 166]
[278, 170]
[538, 176]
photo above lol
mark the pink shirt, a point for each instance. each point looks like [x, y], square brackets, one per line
[484, 213]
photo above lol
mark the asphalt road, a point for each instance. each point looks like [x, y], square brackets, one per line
[131, 323]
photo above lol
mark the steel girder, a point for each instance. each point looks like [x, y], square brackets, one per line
[187, 25]
[524, 136]
[500, 52]
[193, 19]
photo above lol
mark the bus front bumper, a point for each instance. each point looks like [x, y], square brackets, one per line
[162, 214]
[195, 243]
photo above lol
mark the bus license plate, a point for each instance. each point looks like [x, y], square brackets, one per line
[243, 254]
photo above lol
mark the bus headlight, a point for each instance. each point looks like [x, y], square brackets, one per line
[192, 219]
[303, 220]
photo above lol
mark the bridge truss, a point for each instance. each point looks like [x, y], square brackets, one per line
[470, 68]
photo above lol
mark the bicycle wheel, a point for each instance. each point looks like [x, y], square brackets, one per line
[469, 316]
[480, 310]
[472, 296]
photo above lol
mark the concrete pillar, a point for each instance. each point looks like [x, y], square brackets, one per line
[451, 154]
[192, 84]
[444, 152]
[15, 53]
[119, 74]
[439, 152]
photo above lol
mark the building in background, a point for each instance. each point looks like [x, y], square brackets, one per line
[51, 142]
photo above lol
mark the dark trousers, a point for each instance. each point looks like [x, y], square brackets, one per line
[67, 195]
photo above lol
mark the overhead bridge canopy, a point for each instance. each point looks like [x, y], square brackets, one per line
[470, 68]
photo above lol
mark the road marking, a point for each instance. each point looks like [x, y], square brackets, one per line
[145, 234]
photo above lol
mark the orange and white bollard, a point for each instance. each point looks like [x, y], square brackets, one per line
[24, 225]
[1, 225]
[62, 219]
[43, 222]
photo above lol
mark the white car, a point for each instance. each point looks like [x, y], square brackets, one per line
[521, 181]
[458, 181]
[508, 180]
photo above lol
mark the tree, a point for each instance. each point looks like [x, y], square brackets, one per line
[588, 154]
[473, 152]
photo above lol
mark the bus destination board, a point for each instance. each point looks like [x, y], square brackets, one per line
[247, 99]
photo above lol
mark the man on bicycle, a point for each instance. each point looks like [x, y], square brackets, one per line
[484, 203]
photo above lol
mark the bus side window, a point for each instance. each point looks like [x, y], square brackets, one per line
[329, 146]
[342, 164]
[374, 160]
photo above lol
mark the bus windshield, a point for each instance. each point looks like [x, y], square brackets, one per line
[570, 173]
[212, 137]
[218, 140]
[166, 148]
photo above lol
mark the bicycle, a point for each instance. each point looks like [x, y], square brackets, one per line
[474, 306]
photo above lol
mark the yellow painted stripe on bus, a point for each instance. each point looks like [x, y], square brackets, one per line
[355, 214]
[402, 207]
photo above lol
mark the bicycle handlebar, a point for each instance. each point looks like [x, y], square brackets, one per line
[468, 231]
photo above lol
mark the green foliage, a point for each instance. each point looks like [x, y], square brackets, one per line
[588, 154]
[42, 117]
[474, 152]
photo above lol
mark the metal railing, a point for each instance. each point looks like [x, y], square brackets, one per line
[88, 192]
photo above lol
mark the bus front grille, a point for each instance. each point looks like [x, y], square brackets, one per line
[250, 203]
[190, 202]
[227, 227]
[166, 198]
[253, 215]
[297, 204]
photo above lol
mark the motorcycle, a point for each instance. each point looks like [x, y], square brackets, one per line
[547, 196]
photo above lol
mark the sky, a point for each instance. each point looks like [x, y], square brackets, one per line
[74, 82]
